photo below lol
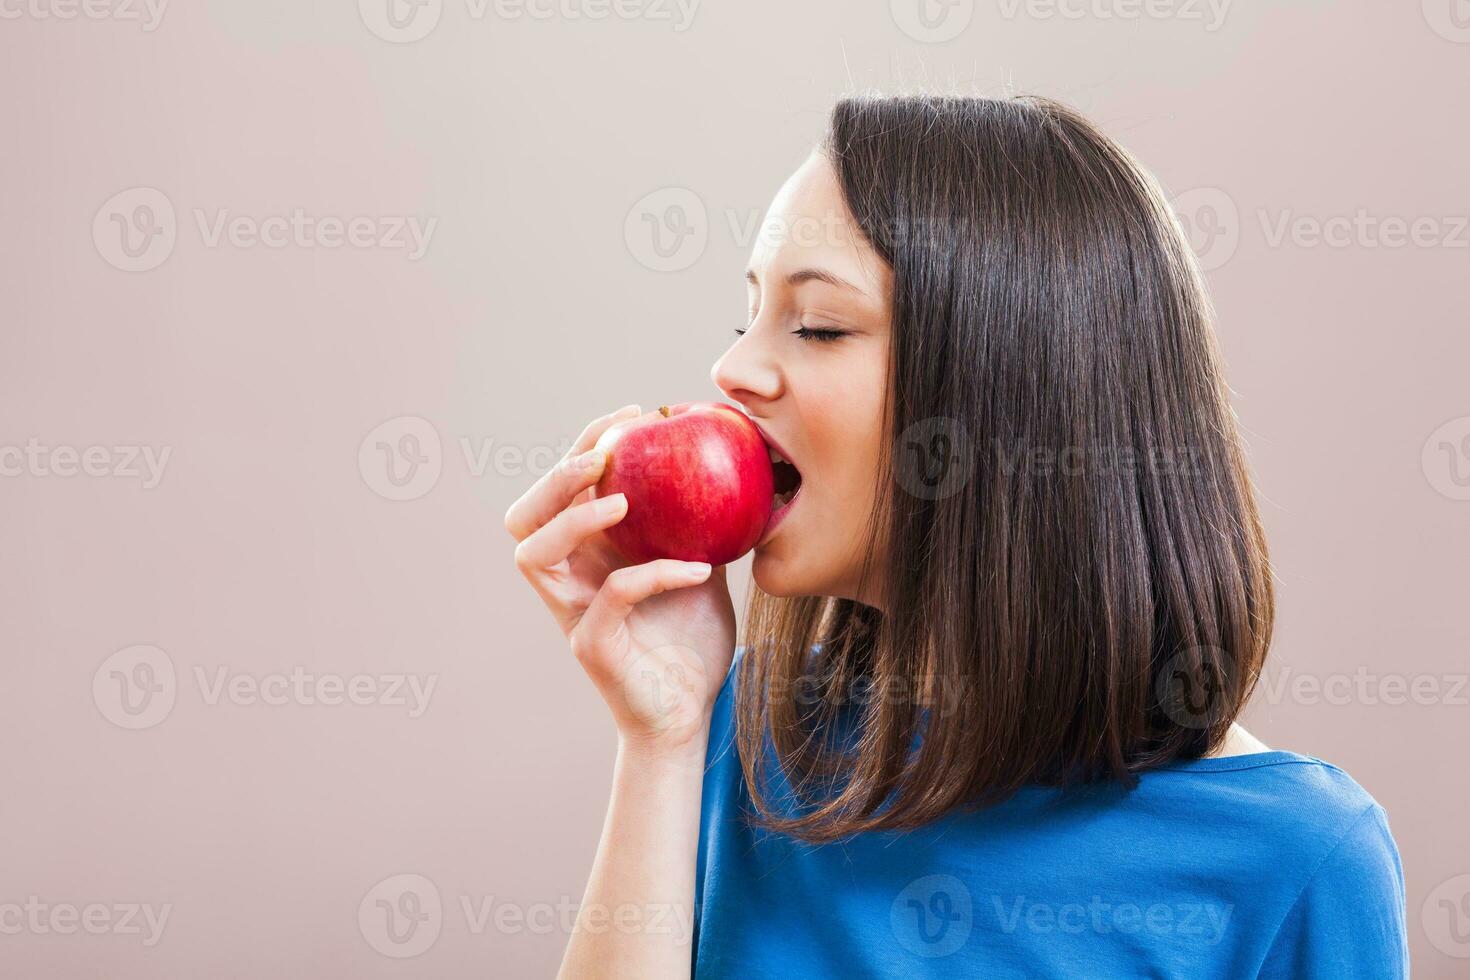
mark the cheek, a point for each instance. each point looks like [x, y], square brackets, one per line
[866, 429]
[845, 421]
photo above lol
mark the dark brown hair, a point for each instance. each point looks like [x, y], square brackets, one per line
[1074, 583]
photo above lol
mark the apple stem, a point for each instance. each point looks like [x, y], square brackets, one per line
[663, 410]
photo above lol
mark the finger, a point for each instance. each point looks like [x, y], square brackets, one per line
[549, 546]
[576, 471]
[597, 427]
[624, 588]
[554, 492]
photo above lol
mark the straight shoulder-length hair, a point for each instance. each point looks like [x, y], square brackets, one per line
[1074, 580]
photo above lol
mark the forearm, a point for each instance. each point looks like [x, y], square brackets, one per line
[636, 918]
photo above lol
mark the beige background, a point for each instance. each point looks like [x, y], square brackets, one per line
[270, 544]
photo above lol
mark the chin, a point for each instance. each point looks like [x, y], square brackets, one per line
[767, 572]
[775, 575]
[781, 576]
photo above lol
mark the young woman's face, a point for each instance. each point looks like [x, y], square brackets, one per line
[810, 368]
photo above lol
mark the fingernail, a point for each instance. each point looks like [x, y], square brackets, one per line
[607, 506]
[632, 409]
[698, 569]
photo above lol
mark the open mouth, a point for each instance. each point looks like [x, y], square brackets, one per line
[788, 479]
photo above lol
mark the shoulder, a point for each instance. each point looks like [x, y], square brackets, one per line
[1327, 808]
[1311, 849]
[1309, 797]
[1345, 836]
[1349, 910]
[1347, 824]
[1336, 799]
[1298, 815]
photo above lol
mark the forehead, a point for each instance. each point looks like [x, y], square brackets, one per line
[808, 224]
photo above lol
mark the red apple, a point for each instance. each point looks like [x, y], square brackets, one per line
[698, 480]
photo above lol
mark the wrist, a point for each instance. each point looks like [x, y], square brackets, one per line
[666, 750]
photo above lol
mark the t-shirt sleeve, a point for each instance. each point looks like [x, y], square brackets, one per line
[1348, 921]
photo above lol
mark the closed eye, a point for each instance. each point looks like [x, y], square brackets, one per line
[822, 335]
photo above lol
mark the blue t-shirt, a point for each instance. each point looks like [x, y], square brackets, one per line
[1265, 865]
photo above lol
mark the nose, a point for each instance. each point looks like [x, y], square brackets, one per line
[748, 372]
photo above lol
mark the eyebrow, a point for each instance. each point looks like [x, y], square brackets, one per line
[809, 275]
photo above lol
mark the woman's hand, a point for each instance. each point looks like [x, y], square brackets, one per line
[657, 638]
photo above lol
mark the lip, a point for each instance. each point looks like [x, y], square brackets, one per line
[777, 515]
[780, 449]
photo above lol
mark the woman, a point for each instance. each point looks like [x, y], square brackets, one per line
[982, 723]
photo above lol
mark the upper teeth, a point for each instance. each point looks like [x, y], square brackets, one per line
[775, 456]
